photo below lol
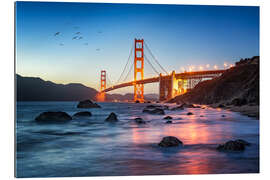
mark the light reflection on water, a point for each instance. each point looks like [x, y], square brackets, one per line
[126, 148]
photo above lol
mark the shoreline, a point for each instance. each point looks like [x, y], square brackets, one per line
[247, 110]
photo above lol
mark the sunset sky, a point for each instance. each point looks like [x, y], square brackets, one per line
[178, 36]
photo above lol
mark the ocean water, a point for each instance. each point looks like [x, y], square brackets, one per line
[93, 147]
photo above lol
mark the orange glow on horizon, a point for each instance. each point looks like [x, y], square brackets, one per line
[100, 97]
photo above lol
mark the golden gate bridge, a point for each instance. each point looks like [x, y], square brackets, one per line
[170, 85]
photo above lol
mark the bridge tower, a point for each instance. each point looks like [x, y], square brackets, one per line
[101, 95]
[138, 70]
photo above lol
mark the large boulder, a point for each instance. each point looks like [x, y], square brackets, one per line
[237, 145]
[189, 113]
[83, 113]
[167, 117]
[87, 104]
[170, 141]
[111, 118]
[53, 117]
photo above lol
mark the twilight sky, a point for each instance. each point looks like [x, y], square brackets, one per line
[178, 35]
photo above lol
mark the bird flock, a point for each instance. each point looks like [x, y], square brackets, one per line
[76, 36]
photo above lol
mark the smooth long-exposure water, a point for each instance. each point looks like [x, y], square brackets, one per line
[93, 147]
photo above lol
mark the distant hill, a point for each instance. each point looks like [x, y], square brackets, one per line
[36, 89]
[238, 85]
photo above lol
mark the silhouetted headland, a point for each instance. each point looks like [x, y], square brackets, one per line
[236, 89]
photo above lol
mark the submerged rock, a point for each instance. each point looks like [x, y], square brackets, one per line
[83, 113]
[87, 104]
[139, 121]
[111, 118]
[167, 117]
[169, 122]
[189, 113]
[237, 145]
[53, 117]
[170, 141]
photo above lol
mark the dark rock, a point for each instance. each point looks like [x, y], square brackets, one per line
[221, 106]
[201, 116]
[157, 106]
[137, 101]
[189, 113]
[223, 115]
[83, 113]
[152, 106]
[243, 142]
[169, 122]
[53, 117]
[237, 145]
[177, 108]
[157, 111]
[167, 117]
[111, 118]
[184, 105]
[239, 102]
[139, 121]
[87, 104]
[170, 141]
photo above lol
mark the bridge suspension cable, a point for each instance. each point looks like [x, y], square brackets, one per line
[129, 71]
[155, 58]
[109, 81]
[125, 65]
[151, 64]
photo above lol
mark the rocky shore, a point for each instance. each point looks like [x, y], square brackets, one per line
[237, 89]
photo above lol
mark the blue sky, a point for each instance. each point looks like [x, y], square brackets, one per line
[178, 35]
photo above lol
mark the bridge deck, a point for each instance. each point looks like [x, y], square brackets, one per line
[185, 75]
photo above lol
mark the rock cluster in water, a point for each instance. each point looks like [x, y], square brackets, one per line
[170, 141]
[155, 109]
[53, 117]
[237, 145]
[87, 104]
[112, 118]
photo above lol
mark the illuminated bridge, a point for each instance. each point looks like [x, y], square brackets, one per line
[170, 85]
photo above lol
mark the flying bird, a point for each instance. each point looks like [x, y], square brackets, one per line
[78, 33]
[86, 44]
[97, 49]
[80, 37]
[75, 37]
[76, 27]
[99, 32]
[61, 44]
[57, 33]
